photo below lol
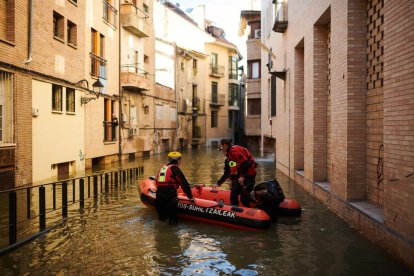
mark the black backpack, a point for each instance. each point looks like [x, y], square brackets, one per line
[269, 192]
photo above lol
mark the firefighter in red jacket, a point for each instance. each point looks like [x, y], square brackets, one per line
[240, 168]
[169, 178]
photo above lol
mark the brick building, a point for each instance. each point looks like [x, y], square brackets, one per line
[250, 27]
[50, 57]
[40, 61]
[341, 100]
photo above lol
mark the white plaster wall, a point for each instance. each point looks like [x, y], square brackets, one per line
[172, 27]
[57, 137]
[165, 63]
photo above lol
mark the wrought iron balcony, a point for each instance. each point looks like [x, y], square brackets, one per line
[217, 100]
[109, 13]
[216, 70]
[134, 78]
[98, 66]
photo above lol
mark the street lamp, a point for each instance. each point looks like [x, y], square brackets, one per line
[97, 90]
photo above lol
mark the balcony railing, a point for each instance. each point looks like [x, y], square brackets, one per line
[217, 71]
[133, 77]
[109, 13]
[98, 66]
[281, 21]
[217, 100]
[109, 131]
[135, 20]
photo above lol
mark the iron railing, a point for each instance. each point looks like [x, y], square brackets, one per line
[109, 13]
[70, 191]
[98, 66]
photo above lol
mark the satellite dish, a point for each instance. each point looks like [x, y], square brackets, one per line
[189, 10]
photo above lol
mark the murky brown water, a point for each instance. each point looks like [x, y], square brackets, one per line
[120, 236]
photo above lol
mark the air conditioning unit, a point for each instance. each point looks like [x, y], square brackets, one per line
[132, 132]
[257, 33]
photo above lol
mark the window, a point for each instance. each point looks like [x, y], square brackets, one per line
[254, 69]
[146, 59]
[98, 63]
[7, 20]
[273, 96]
[253, 106]
[72, 33]
[255, 30]
[109, 12]
[6, 107]
[146, 8]
[58, 26]
[233, 98]
[214, 119]
[182, 66]
[233, 68]
[195, 67]
[70, 100]
[56, 97]
[109, 127]
[214, 94]
[214, 60]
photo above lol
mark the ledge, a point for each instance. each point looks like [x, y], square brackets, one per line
[324, 185]
[369, 209]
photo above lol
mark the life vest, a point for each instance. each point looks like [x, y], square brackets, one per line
[164, 176]
[237, 155]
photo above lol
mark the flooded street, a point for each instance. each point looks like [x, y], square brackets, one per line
[121, 236]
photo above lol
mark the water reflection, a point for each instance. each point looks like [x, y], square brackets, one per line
[121, 236]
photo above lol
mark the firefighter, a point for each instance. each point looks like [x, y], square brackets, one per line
[169, 179]
[240, 168]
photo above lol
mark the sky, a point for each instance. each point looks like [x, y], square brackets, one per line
[226, 15]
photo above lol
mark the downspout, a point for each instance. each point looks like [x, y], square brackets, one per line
[29, 39]
[120, 126]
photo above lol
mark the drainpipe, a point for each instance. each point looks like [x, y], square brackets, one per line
[29, 43]
[120, 126]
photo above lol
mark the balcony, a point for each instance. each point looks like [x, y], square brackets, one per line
[217, 100]
[198, 106]
[281, 21]
[217, 71]
[109, 13]
[135, 20]
[134, 78]
[98, 66]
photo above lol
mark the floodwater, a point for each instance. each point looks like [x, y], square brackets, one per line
[121, 236]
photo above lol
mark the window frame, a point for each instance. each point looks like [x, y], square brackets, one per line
[72, 33]
[56, 100]
[70, 100]
[214, 119]
[58, 26]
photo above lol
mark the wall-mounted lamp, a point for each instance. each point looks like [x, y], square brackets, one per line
[97, 90]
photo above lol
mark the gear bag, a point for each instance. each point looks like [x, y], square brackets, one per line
[269, 192]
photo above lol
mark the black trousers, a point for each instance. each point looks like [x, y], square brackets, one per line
[244, 192]
[166, 204]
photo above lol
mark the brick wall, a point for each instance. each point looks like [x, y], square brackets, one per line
[375, 109]
[399, 117]
[23, 129]
[298, 113]
[360, 118]
[356, 99]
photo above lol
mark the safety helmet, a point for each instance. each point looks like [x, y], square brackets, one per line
[174, 156]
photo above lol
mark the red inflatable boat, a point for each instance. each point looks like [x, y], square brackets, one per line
[213, 205]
